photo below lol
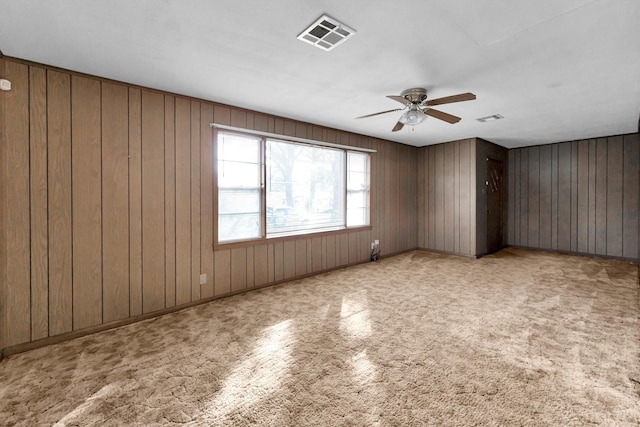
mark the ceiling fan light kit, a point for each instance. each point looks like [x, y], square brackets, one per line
[413, 117]
[419, 107]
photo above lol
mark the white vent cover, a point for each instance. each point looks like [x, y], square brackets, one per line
[490, 118]
[326, 33]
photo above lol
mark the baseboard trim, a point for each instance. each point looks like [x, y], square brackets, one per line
[449, 253]
[584, 254]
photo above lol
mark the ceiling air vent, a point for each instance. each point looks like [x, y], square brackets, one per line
[326, 33]
[490, 118]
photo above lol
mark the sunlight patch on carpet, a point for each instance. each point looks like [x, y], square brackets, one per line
[86, 405]
[355, 319]
[260, 374]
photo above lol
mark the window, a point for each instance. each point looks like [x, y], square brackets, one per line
[307, 188]
[239, 184]
[357, 189]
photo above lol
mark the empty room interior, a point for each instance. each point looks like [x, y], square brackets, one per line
[319, 213]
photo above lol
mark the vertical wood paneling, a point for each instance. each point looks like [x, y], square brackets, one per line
[439, 189]
[278, 261]
[135, 202]
[16, 309]
[583, 196]
[342, 249]
[473, 196]
[574, 196]
[38, 195]
[316, 254]
[353, 247]
[364, 245]
[545, 197]
[238, 269]
[206, 199]
[601, 196]
[289, 259]
[511, 197]
[170, 202]
[554, 196]
[330, 251]
[250, 265]
[615, 180]
[86, 202]
[300, 257]
[115, 202]
[153, 286]
[448, 193]
[261, 123]
[534, 197]
[466, 182]
[592, 196]
[222, 114]
[59, 200]
[590, 205]
[261, 271]
[388, 208]
[564, 197]
[456, 196]
[183, 202]
[631, 190]
[222, 272]
[421, 197]
[524, 197]
[270, 263]
[431, 191]
[517, 202]
[195, 201]
[238, 118]
[309, 259]
[449, 211]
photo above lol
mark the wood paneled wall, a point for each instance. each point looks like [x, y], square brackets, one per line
[107, 204]
[447, 197]
[485, 150]
[579, 196]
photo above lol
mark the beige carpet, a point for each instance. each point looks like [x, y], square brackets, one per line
[517, 338]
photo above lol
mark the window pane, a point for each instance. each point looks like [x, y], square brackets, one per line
[239, 203]
[305, 188]
[239, 148]
[358, 189]
[238, 226]
[237, 174]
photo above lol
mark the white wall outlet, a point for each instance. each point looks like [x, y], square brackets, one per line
[203, 279]
[5, 84]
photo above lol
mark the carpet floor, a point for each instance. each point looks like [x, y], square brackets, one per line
[515, 338]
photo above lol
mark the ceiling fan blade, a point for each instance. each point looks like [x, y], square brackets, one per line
[400, 99]
[449, 99]
[381, 112]
[449, 118]
[397, 127]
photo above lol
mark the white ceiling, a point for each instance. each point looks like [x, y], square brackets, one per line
[557, 70]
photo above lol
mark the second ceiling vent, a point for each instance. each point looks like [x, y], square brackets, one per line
[326, 33]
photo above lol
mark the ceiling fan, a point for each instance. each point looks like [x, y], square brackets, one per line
[418, 107]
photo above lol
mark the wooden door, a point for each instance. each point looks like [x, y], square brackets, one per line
[494, 185]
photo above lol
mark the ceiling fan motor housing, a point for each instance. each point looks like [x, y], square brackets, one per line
[415, 95]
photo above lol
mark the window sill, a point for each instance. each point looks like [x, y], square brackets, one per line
[288, 237]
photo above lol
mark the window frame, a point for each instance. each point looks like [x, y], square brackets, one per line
[263, 238]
